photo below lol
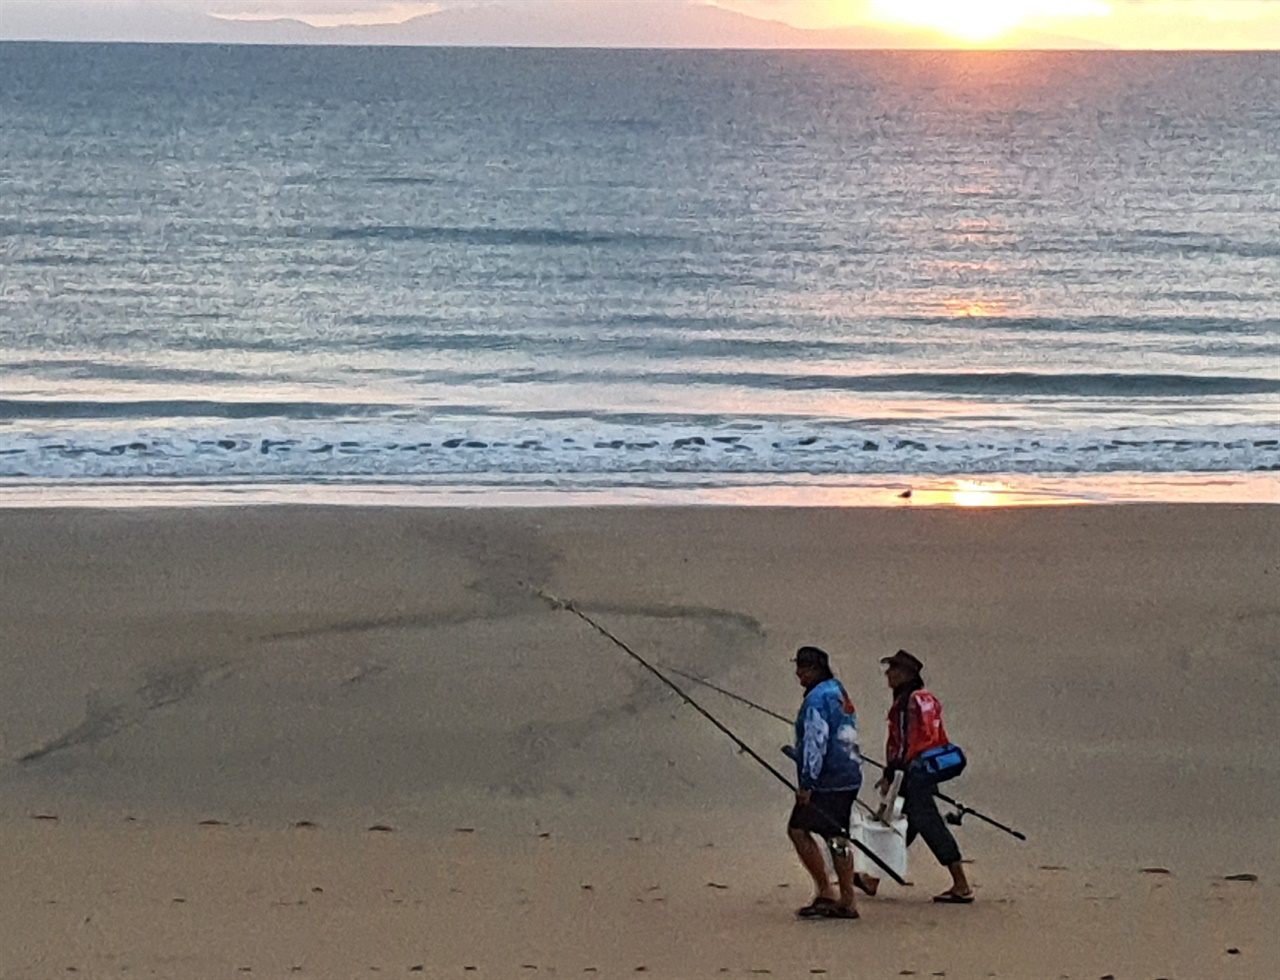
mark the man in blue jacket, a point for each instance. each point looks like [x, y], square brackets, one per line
[829, 775]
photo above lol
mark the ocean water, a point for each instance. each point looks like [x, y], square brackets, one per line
[227, 267]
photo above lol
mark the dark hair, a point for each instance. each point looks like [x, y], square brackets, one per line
[815, 658]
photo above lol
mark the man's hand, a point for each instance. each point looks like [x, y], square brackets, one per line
[803, 796]
[882, 785]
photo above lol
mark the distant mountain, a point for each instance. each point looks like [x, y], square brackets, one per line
[627, 23]
[532, 23]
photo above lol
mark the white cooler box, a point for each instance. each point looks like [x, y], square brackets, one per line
[887, 841]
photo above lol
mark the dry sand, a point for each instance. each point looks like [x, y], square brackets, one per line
[204, 712]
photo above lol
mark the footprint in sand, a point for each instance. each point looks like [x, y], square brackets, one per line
[382, 828]
[44, 816]
[304, 825]
[1246, 876]
[1155, 871]
[211, 822]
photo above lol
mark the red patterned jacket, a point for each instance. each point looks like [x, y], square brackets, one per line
[915, 726]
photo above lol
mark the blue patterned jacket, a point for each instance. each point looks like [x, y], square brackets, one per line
[826, 752]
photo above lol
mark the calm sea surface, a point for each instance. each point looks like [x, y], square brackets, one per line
[426, 267]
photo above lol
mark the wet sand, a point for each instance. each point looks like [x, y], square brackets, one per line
[204, 714]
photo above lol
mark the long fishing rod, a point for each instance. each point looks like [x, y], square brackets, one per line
[568, 606]
[952, 818]
[737, 697]
[758, 707]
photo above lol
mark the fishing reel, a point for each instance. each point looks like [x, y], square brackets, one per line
[956, 818]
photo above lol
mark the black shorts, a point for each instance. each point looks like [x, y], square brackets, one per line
[827, 814]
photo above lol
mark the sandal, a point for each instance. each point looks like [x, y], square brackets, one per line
[951, 898]
[815, 909]
[834, 911]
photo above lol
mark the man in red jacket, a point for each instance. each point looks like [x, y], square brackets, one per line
[915, 727]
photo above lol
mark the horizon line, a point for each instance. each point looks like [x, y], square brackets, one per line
[976, 49]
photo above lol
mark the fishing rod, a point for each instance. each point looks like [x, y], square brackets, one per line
[737, 697]
[568, 606]
[954, 819]
[758, 707]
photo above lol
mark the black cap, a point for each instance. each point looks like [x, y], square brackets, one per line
[903, 660]
[813, 657]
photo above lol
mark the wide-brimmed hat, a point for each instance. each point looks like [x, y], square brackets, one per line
[904, 661]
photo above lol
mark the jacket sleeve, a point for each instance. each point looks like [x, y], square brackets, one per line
[896, 750]
[813, 746]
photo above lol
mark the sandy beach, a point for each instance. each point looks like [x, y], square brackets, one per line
[353, 742]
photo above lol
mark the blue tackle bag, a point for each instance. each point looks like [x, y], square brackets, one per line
[940, 764]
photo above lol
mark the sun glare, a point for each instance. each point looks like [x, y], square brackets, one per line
[975, 307]
[977, 21]
[970, 493]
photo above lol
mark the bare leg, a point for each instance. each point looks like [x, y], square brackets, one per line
[811, 857]
[844, 874]
[959, 882]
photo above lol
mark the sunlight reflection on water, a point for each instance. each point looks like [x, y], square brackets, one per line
[896, 492]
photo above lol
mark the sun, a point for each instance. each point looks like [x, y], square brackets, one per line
[977, 21]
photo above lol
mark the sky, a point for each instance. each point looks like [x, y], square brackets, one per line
[1140, 24]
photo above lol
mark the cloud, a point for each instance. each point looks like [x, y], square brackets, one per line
[984, 20]
[1197, 24]
[936, 14]
[1216, 11]
[324, 13]
[1167, 24]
